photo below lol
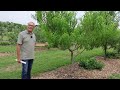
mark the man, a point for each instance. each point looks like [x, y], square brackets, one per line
[25, 50]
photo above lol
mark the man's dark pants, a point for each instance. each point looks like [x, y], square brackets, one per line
[26, 69]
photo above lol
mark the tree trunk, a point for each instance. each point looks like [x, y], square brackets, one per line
[105, 51]
[72, 60]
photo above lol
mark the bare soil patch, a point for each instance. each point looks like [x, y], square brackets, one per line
[5, 54]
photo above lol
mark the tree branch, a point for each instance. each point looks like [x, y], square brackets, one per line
[79, 53]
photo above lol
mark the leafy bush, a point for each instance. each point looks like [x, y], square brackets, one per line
[113, 55]
[91, 64]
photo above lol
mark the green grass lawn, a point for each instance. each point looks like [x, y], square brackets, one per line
[44, 61]
[8, 49]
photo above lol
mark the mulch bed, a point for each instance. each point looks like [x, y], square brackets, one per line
[75, 72]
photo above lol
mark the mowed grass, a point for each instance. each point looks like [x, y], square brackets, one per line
[45, 60]
[8, 49]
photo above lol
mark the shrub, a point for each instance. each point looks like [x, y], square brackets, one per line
[91, 64]
[113, 55]
[110, 55]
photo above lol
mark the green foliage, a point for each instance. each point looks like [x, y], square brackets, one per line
[96, 29]
[3, 43]
[110, 55]
[10, 30]
[114, 76]
[13, 37]
[117, 41]
[113, 55]
[40, 37]
[59, 27]
[65, 41]
[99, 29]
[91, 64]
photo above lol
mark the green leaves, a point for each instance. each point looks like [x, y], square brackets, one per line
[60, 29]
[64, 41]
[91, 64]
[10, 31]
[96, 29]
[99, 28]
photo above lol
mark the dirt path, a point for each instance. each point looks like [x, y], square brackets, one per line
[41, 44]
[75, 72]
[5, 54]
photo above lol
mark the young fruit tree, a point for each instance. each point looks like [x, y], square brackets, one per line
[61, 30]
[100, 29]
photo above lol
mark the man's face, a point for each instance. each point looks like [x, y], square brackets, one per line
[30, 26]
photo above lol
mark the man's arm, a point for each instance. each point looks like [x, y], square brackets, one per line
[18, 52]
[18, 47]
[35, 40]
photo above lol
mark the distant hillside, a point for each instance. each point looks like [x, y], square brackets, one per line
[9, 32]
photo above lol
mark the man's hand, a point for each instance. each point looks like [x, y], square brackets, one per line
[18, 60]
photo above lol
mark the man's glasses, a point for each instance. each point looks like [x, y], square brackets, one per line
[31, 25]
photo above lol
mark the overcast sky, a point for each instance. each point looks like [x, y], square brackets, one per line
[22, 17]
